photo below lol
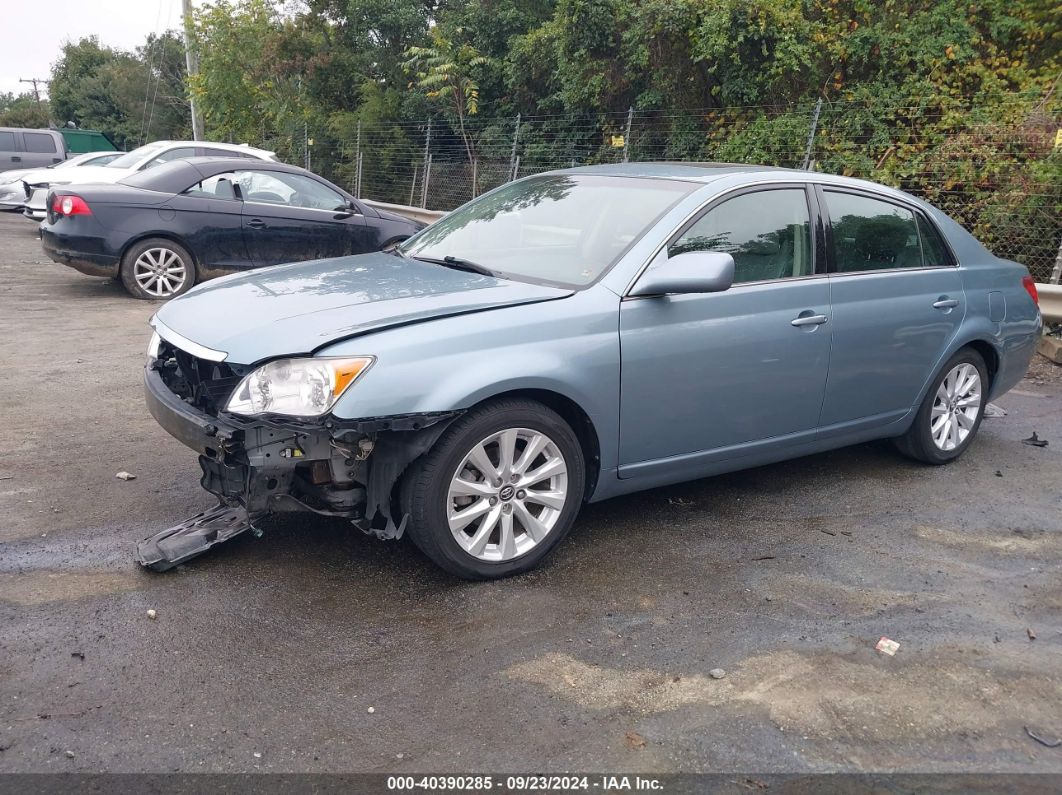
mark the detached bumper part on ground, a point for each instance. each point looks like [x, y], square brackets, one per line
[344, 468]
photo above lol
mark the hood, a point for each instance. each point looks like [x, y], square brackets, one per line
[80, 175]
[297, 309]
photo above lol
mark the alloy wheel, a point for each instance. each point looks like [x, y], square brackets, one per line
[160, 272]
[507, 494]
[956, 406]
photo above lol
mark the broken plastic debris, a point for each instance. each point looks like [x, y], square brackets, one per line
[1035, 441]
[992, 410]
[152, 613]
[123, 475]
[886, 646]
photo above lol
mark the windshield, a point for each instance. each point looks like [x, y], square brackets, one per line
[560, 228]
[130, 159]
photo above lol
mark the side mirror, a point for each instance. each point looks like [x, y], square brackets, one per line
[346, 211]
[689, 272]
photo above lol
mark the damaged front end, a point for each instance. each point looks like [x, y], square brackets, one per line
[262, 465]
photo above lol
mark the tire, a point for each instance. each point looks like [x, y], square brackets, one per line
[524, 528]
[140, 272]
[930, 438]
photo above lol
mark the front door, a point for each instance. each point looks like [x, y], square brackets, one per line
[291, 218]
[706, 376]
[897, 302]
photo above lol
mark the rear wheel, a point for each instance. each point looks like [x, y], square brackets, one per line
[157, 269]
[951, 412]
[498, 492]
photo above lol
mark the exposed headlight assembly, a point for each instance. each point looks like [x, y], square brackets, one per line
[297, 387]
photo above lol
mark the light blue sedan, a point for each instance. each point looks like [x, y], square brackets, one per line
[578, 335]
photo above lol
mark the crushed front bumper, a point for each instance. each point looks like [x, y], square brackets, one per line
[254, 467]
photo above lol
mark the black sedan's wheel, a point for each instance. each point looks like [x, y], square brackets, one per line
[951, 413]
[157, 269]
[498, 492]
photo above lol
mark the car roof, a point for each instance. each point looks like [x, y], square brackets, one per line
[218, 164]
[710, 172]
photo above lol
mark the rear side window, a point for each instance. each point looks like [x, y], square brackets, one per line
[768, 233]
[933, 249]
[173, 154]
[871, 235]
[7, 141]
[208, 152]
[38, 142]
[216, 187]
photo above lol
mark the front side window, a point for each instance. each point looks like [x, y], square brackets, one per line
[560, 228]
[131, 159]
[870, 234]
[768, 233]
[39, 142]
[293, 190]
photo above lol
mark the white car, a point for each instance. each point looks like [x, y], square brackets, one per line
[141, 158]
[12, 183]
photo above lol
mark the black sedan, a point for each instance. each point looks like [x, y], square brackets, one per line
[160, 231]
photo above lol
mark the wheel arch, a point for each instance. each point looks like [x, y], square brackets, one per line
[576, 417]
[141, 237]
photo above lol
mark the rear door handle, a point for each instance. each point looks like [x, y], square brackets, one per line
[256, 223]
[808, 320]
[946, 303]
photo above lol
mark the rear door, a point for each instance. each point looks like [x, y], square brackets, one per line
[41, 149]
[897, 301]
[291, 217]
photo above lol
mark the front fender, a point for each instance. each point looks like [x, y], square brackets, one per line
[569, 347]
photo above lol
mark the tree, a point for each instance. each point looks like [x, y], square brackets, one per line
[23, 110]
[447, 71]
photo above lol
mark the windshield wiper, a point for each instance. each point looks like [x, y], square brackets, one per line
[457, 263]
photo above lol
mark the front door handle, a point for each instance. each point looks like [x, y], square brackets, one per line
[946, 303]
[808, 320]
[16, 159]
[256, 223]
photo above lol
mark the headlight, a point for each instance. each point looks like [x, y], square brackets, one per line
[153, 346]
[297, 387]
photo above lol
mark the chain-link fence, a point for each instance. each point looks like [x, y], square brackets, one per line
[995, 168]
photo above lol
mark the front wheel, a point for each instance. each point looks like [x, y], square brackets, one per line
[951, 412]
[498, 492]
[157, 269]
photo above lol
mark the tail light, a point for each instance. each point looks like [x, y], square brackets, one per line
[70, 205]
[1030, 287]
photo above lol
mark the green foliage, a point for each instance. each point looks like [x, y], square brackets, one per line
[23, 111]
[133, 97]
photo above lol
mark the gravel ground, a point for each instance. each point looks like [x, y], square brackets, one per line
[316, 648]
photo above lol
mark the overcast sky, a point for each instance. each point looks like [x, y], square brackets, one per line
[32, 31]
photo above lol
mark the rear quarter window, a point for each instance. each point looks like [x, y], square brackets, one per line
[933, 248]
[7, 141]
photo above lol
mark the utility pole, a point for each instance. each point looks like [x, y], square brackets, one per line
[191, 60]
[36, 91]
